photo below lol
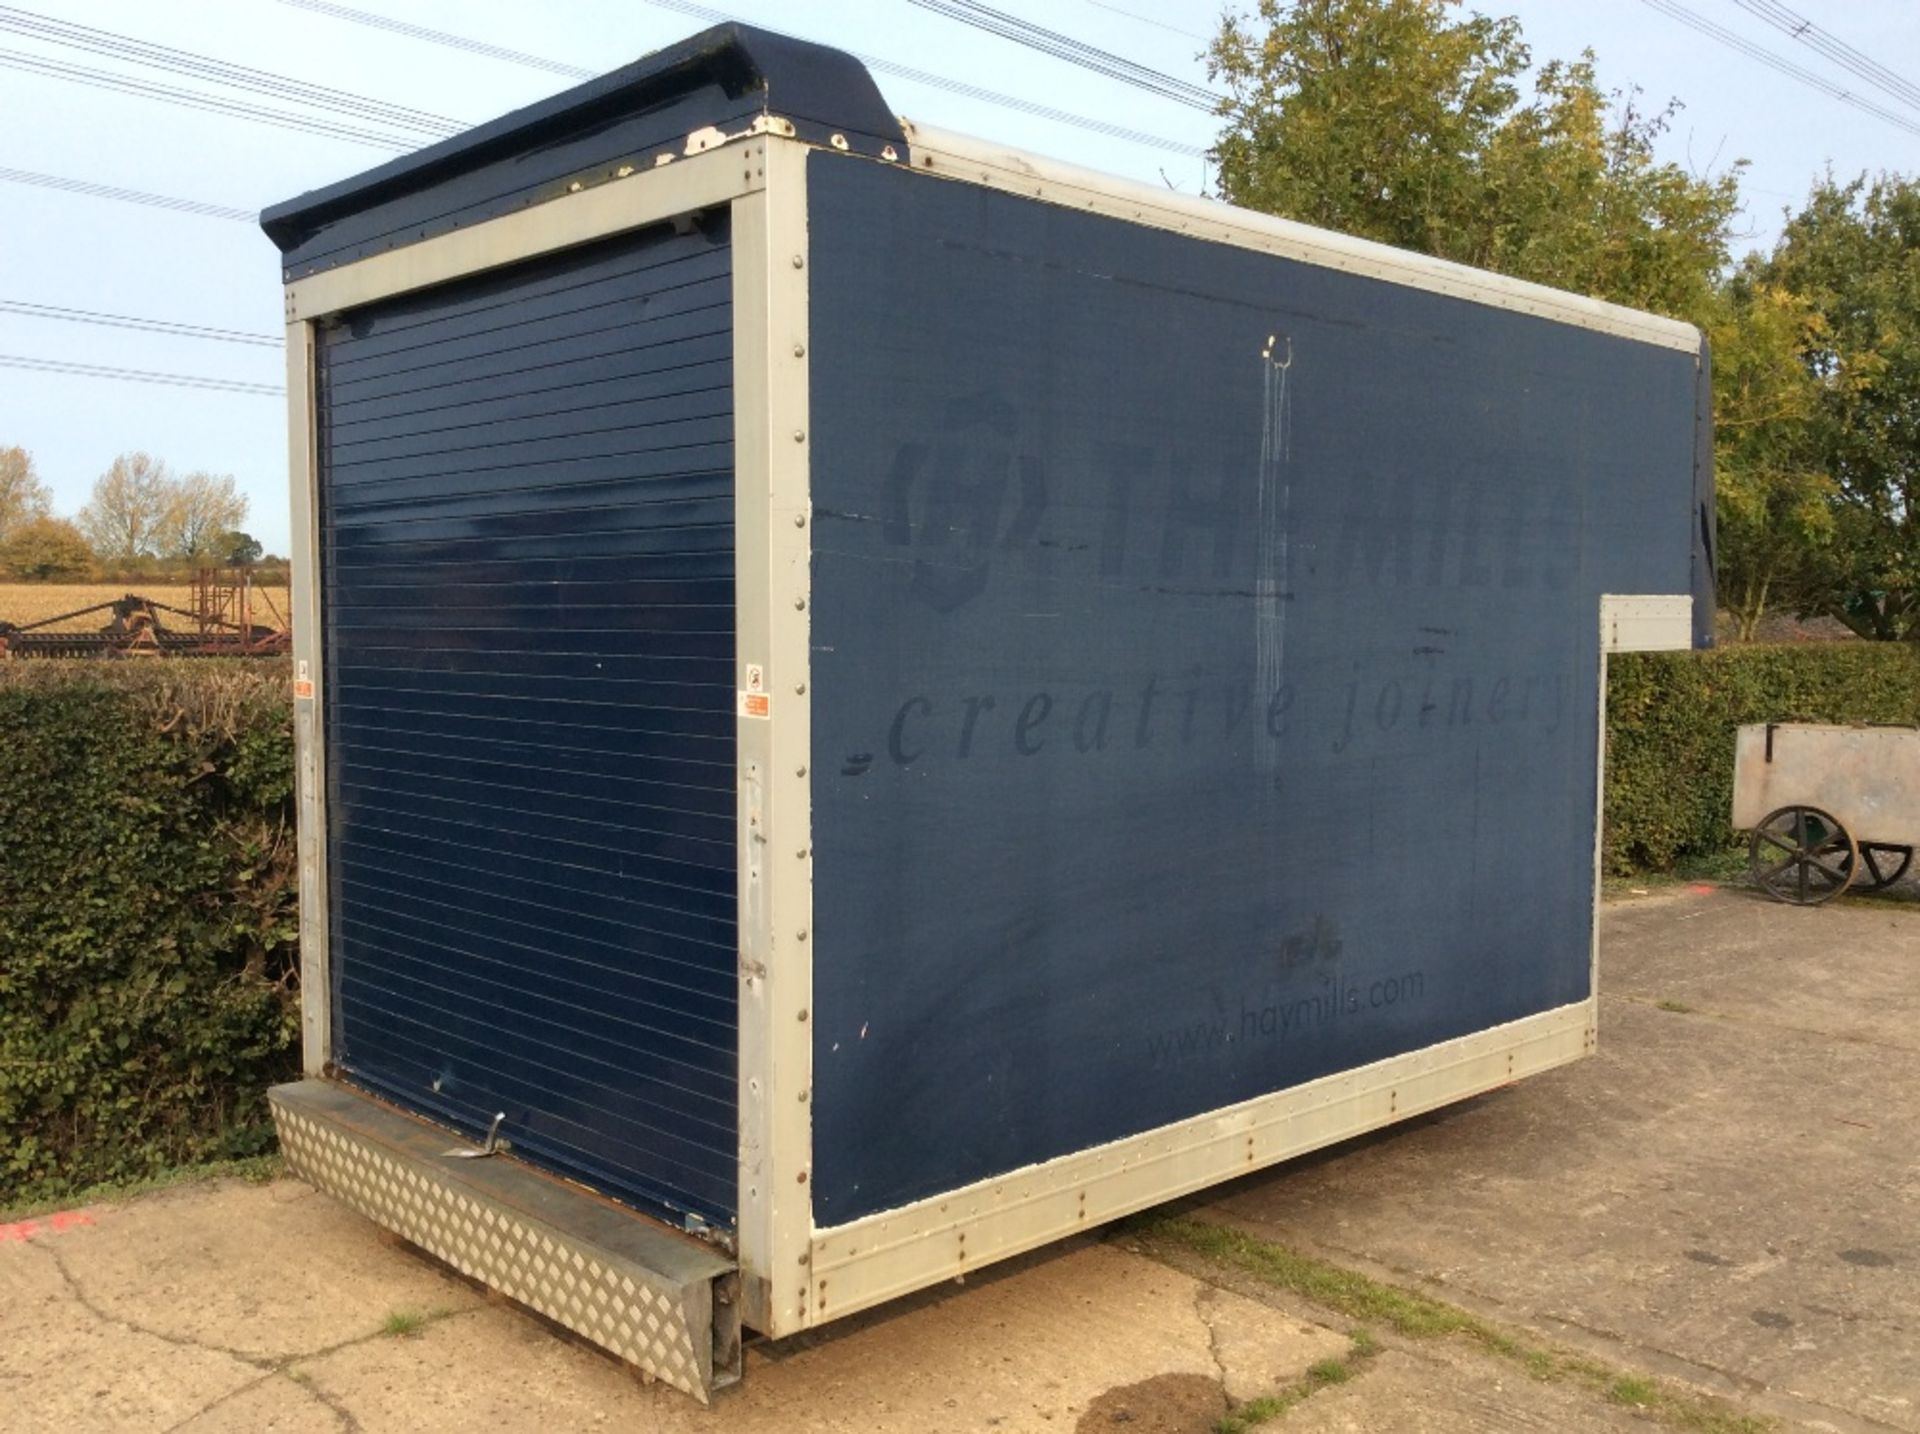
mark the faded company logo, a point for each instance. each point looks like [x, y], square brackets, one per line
[1198, 507]
[956, 488]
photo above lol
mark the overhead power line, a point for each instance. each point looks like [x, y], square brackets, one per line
[442, 37]
[1825, 42]
[196, 100]
[137, 375]
[1148, 20]
[167, 327]
[195, 65]
[713, 16]
[1734, 40]
[127, 196]
[1076, 52]
[970, 91]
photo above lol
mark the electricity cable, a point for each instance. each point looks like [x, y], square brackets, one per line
[137, 375]
[167, 327]
[127, 196]
[1673, 10]
[707, 13]
[1825, 42]
[205, 67]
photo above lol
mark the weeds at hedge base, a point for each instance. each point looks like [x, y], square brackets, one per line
[254, 1170]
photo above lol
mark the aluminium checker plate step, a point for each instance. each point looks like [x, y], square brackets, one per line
[658, 1299]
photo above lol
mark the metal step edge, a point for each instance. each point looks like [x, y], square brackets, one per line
[651, 1296]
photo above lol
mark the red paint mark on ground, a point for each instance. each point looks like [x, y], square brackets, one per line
[21, 1231]
[1702, 889]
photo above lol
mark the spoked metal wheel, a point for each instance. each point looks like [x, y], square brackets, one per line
[1881, 864]
[1802, 855]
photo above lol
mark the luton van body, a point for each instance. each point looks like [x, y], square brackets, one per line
[867, 701]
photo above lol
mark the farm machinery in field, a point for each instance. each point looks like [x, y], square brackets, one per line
[222, 622]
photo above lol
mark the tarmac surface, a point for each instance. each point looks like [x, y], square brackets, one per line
[1726, 1198]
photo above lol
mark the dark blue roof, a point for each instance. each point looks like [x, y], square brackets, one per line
[722, 76]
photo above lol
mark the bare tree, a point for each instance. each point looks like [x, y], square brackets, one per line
[130, 501]
[201, 509]
[23, 497]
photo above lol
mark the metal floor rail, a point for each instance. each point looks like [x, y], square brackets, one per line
[658, 1299]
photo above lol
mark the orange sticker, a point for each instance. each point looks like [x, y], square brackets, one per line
[754, 704]
[303, 687]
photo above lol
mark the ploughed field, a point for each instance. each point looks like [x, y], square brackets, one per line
[23, 603]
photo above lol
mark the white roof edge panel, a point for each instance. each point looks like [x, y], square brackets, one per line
[959, 156]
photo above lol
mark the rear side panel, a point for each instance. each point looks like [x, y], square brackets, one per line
[1205, 650]
[526, 497]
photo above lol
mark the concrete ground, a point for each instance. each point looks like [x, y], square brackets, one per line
[1729, 1192]
[1725, 1196]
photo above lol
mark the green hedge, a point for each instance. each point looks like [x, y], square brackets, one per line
[147, 916]
[1671, 718]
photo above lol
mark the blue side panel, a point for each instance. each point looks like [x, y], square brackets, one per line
[527, 499]
[1205, 650]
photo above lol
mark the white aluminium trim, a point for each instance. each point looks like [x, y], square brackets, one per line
[959, 156]
[643, 196]
[773, 601]
[872, 1260]
[1646, 622]
[309, 738]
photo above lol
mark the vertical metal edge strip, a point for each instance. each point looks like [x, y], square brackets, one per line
[772, 601]
[309, 736]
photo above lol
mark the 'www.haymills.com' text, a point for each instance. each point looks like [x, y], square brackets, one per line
[1339, 1000]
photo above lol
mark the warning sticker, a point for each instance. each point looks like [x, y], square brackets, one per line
[754, 704]
[302, 687]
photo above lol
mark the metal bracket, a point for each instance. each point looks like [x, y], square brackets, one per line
[492, 1143]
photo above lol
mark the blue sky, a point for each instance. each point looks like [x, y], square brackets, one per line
[87, 253]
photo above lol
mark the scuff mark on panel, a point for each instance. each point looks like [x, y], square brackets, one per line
[1276, 503]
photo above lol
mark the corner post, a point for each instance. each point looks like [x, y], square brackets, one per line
[309, 738]
[773, 601]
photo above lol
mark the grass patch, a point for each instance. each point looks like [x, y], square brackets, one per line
[1320, 1376]
[401, 1323]
[1419, 1316]
[1632, 1389]
[1259, 1411]
[254, 1169]
[1679, 1008]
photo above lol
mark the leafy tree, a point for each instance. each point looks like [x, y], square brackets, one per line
[1775, 516]
[1852, 256]
[23, 497]
[200, 509]
[130, 500]
[240, 550]
[45, 550]
[1397, 121]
